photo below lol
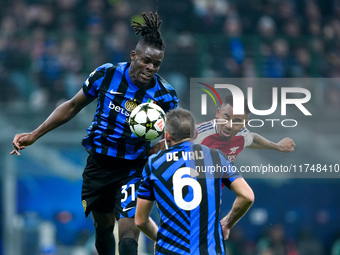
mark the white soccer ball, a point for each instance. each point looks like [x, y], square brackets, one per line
[147, 121]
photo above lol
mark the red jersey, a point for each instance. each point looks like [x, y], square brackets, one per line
[208, 136]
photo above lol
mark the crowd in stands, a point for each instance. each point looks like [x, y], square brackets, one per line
[47, 48]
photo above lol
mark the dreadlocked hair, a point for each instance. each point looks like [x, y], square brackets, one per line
[150, 31]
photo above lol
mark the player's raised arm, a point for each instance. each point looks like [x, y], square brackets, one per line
[259, 142]
[62, 114]
[244, 199]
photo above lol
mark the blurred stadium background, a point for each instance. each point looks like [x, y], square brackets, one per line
[47, 49]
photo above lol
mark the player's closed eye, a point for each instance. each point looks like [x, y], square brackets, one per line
[146, 61]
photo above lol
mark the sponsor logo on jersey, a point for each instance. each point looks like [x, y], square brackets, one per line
[117, 108]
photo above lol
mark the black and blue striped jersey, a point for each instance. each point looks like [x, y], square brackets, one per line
[185, 181]
[109, 132]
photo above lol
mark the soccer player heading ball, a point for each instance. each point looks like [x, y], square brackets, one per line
[116, 158]
[189, 199]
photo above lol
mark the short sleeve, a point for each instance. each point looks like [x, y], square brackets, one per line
[94, 80]
[248, 138]
[145, 190]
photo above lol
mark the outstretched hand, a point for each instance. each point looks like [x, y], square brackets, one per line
[286, 145]
[20, 142]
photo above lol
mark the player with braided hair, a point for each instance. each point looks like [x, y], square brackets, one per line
[150, 31]
[116, 158]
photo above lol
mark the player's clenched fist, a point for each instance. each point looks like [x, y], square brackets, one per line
[286, 145]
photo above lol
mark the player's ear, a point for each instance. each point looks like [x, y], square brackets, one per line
[133, 55]
[246, 121]
[167, 136]
[217, 113]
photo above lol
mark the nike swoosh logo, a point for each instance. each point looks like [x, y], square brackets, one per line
[127, 209]
[115, 92]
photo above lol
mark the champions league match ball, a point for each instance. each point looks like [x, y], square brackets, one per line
[147, 121]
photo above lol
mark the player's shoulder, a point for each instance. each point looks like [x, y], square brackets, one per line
[152, 156]
[98, 74]
[166, 93]
[106, 65]
[243, 132]
[204, 148]
[205, 126]
[164, 83]
[198, 146]
[204, 130]
[100, 71]
[246, 135]
[156, 156]
[120, 67]
[209, 123]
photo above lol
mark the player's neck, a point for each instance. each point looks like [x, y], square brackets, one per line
[172, 143]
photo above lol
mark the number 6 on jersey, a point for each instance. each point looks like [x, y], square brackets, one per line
[180, 179]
